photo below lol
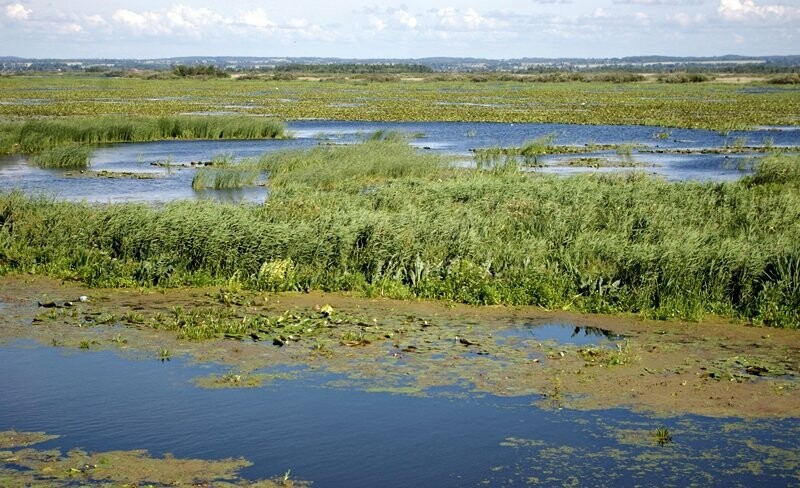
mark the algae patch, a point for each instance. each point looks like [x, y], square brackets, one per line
[27, 467]
[13, 438]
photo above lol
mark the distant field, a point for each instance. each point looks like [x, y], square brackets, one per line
[717, 105]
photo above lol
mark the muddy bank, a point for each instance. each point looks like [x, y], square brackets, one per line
[711, 368]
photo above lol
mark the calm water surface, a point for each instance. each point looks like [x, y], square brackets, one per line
[341, 437]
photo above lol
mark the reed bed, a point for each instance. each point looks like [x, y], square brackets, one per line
[590, 243]
[37, 135]
[70, 156]
[225, 173]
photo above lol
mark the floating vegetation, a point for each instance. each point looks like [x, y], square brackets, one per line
[691, 105]
[13, 439]
[633, 454]
[29, 467]
[233, 379]
[622, 353]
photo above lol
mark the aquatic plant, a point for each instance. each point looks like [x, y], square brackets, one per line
[37, 135]
[71, 156]
[225, 173]
[704, 105]
[662, 436]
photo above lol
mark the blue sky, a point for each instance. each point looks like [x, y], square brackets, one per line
[412, 29]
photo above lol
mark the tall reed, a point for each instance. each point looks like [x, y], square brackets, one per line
[384, 219]
[71, 156]
[37, 135]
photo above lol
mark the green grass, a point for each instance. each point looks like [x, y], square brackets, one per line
[71, 156]
[352, 168]
[37, 135]
[224, 173]
[711, 105]
[383, 219]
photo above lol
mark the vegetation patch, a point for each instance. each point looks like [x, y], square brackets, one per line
[440, 97]
[12, 438]
[384, 219]
[70, 156]
[42, 135]
[29, 467]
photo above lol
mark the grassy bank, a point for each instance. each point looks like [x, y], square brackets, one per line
[38, 135]
[383, 219]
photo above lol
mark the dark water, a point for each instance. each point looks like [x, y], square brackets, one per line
[340, 437]
[564, 334]
[454, 138]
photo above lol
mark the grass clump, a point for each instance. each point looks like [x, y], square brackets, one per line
[352, 168]
[684, 77]
[71, 156]
[785, 79]
[37, 135]
[777, 168]
[225, 173]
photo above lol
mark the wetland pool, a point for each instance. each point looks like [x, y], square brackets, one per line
[162, 171]
[333, 436]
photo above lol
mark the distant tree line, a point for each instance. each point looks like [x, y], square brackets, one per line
[354, 68]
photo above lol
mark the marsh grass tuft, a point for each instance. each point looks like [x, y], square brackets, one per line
[70, 156]
[662, 436]
[225, 173]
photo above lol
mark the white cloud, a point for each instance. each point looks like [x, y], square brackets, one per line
[178, 19]
[130, 19]
[17, 11]
[744, 10]
[377, 23]
[450, 18]
[684, 19]
[257, 18]
[95, 20]
[405, 18]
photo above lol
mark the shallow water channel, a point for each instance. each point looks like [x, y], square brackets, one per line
[676, 154]
[335, 436]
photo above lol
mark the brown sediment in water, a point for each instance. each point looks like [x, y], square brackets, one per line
[715, 367]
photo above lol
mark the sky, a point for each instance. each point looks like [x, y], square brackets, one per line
[496, 29]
